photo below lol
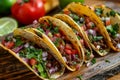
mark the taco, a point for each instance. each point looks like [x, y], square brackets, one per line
[79, 33]
[92, 26]
[111, 21]
[34, 52]
[65, 40]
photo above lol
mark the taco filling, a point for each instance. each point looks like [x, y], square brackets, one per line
[39, 59]
[84, 44]
[113, 29]
[68, 52]
[91, 30]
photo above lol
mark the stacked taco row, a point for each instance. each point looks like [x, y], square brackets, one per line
[65, 40]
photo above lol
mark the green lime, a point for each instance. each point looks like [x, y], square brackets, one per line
[63, 3]
[7, 25]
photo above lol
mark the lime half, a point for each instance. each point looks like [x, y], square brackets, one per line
[7, 25]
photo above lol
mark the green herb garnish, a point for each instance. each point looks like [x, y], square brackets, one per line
[98, 11]
[57, 42]
[93, 61]
[18, 42]
[40, 29]
[112, 13]
[97, 38]
[107, 61]
[80, 77]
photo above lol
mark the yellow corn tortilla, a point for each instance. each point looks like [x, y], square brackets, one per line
[70, 35]
[83, 10]
[40, 41]
[114, 19]
[75, 26]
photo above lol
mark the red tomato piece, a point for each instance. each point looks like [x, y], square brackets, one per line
[57, 35]
[74, 51]
[68, 46]
[82, 41]
[87, 20]
[32, 61]
[107, 22]
[66, 12]
[9, 44]
[68, 51]
[27, 12]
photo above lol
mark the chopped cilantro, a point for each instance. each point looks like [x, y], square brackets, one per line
[116, 27]
[78, 37]
[80, 77]
[107, 61]
[57, 42]
[88, 53]
[112, 13]
[18, 42]
[93, 61]
[56, 30]
[97, 38]
[98, 11]
[40, 29]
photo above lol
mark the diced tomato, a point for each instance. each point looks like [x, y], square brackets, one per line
[84, 27]
[66, 12]
[74, 51]
[107, 22]
[3, 42]
[68, 46]
[57, 35]
[82, 41]
[90, 25]
[68, 51]
[87, 20]
[32, 61]
[9, 44]
[46, 23]
[95, 28]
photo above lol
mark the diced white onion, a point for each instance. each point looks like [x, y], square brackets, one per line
[88, 64]
[44, 54]
[118, 36]
[98, 46]
[44, 59]
[14, 39]
[103, 18]
[26, 45]
[90, 31]
[118, 45]
[107, 18]
[52, 70]
[31, 47]
[65, 59]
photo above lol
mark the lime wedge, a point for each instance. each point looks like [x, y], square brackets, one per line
[7, 25]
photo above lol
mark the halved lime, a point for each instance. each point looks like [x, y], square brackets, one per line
[7, 25]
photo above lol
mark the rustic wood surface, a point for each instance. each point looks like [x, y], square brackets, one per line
[12, 69]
